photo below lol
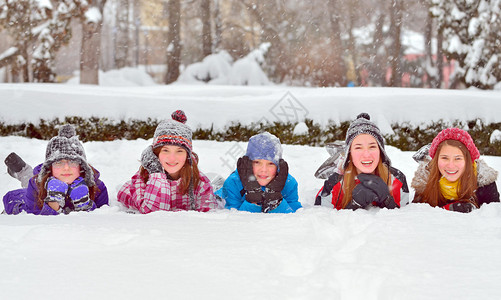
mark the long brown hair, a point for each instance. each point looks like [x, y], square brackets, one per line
[42, 191]
[351, 172]
[467, 182]
[187, 173]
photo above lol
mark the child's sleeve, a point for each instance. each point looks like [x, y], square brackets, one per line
[102, 196]
[146, 197]
[205, 195]
[233, 194]
[290, 194]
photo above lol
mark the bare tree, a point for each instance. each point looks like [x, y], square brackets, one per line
[122, 34]
[396, 10]
[174, 37]
[205, 16]
[339, 68]
[92, 22]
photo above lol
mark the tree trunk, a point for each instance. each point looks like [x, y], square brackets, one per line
[206, 27]
[339, 68]
[122, 34]
[218, 34]
[174, 38]
[91, 47]
[396, 26]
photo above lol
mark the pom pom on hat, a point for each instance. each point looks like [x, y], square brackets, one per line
[458, 135]
[67, 131]
[179, 116]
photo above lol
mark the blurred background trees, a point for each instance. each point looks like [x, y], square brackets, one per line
[414, 43]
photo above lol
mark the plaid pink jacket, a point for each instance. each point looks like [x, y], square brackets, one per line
[160, 193]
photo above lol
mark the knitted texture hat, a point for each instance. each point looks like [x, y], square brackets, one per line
[458, 135]
[363, 125]
[66, 145]
[264, 146]
[174, 132]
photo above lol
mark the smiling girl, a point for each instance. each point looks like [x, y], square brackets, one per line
[262, 182]
[451, 175]
[64, 183]
[168, 178]
[365, 176]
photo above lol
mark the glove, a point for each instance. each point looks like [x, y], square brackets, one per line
[79, 195]
[272, 193]
[378, 187]
[56, 191]
[150, 161]
[464, 207]
[254, 194]
[361, 197]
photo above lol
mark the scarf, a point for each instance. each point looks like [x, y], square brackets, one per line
[449, 190]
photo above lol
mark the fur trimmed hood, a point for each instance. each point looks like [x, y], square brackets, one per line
[485, 175]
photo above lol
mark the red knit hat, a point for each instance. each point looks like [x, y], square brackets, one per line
[458, 135]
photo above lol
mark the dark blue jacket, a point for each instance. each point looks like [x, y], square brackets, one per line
[20, 200]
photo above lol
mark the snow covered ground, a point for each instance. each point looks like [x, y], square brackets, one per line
[416, 252]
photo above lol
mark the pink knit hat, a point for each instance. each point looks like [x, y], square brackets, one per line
[458, 135]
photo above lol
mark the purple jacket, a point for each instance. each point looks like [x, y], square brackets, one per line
[20, 200]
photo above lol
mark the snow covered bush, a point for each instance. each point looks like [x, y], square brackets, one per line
[218, 69]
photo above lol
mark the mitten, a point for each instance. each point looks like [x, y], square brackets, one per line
[254, 194]
[79, 195]
[17, 168]
[56, 191]
[464, 207]
[150, 161]
[273, 190]
[379, 187]
[361, 197]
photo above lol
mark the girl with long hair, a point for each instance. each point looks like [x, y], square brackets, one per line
[364, 177]
[451, 174]
[63, 183]
[168, 178]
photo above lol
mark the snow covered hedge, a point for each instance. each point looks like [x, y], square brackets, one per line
[407, 137]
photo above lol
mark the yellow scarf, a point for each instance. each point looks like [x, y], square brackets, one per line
[449, 190]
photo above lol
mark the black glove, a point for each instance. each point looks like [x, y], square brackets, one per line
[254, 194]
[464, 207]
[361, 197]
[273, 191]
[150, 161]
[379, 187]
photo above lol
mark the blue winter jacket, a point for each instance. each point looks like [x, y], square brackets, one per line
[234, 195]
[20, 200]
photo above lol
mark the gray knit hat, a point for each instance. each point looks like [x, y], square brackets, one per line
[174, 132]
[66, 145]
[363, 125]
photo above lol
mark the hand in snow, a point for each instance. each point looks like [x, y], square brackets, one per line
[56, 192]
[254, 194]
[150, 161]
[464, 207]
[378, 187]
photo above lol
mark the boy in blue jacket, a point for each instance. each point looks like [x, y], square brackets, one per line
[262, 182]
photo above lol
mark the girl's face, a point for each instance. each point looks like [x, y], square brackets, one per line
[66, 170]
[172, 159]
[451, 162]
[264, 170]
[365, 153]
